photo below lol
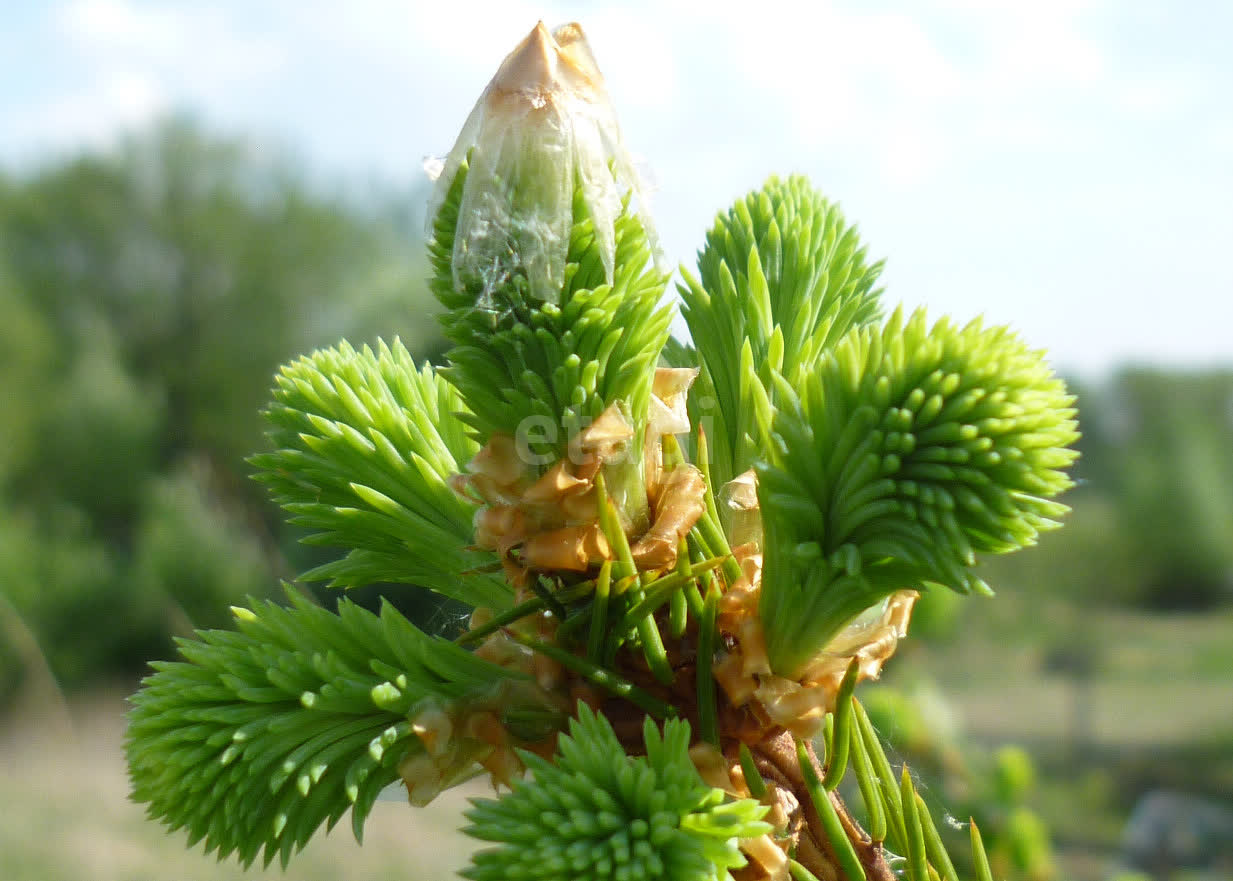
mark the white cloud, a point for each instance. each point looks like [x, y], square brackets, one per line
[120, 63]
[119, 25]
[906, 92]
[1038, 45]
[196, 48]
[1157, 96]
[909, 154]
[118, 100]
[1219, 136]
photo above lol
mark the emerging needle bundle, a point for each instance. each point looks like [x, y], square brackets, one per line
[668, 623]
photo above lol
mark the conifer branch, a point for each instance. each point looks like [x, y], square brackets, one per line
[595, 812]
[908, 450]
[781, 279]
[365, 446]
[840, 462]
[517, 357]
[262, 734]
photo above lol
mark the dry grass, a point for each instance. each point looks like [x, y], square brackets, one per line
[66, 817]
[1155, 680]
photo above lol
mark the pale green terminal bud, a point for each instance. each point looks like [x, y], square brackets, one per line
[543, 128]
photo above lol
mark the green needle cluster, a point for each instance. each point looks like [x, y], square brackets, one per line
[908, 451]
[516, 357]
[262, 734]
[365, 444]
[782, 278]
[597, 813]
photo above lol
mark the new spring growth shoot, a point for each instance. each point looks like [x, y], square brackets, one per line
[552, 287]
[596, 814]
[543, 132]
[664, 618]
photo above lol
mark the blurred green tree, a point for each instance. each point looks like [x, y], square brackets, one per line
[1154, 505]
[26, 355]
[1174, 470]
[209, 262]
[149, 294]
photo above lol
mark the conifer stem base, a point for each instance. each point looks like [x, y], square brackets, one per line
[776, 759]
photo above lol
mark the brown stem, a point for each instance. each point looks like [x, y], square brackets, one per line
[814, 849]
[776, 760]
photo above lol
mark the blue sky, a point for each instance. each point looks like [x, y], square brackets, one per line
[1064, 167]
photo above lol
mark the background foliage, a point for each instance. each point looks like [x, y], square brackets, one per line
[149, 294]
